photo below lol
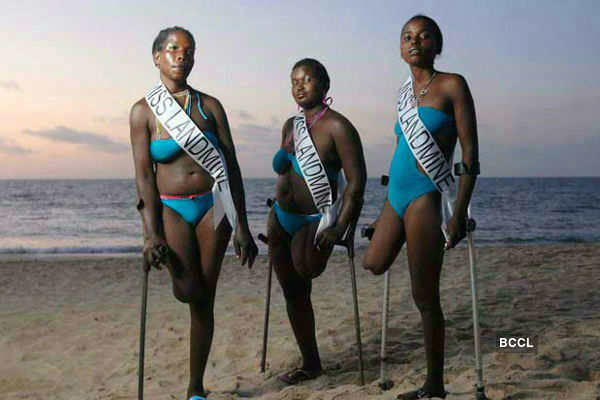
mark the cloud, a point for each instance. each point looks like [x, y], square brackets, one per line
[10, 86]
[92, 140]
[9, 147]
[276, 122]
[245, 115]
[256, 131]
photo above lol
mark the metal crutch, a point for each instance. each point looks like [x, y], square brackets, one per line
[139, 206]
[263, 361]
[142, 331]
[348, 243]
[384, 382]
[471, 225]
[163, 250]
[480, 390]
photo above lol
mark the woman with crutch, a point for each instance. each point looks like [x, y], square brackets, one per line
[434, 109]
[191, 195]
[313, 209]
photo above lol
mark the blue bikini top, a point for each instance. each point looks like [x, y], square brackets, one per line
[436, 121]
[165, 150]
[282, 158]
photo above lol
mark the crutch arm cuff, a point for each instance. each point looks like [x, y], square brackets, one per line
[461, 168]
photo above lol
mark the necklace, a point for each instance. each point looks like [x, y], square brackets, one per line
[184, 92]
[414, 100]
[317, 117]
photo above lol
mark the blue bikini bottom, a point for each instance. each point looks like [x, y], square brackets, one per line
[191, 208]
[292, 222]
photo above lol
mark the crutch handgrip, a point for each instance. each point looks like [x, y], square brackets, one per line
[471, 225]
[367, 231]
[384, 180]
[263, 238]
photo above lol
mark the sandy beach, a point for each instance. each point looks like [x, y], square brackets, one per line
[70, 326]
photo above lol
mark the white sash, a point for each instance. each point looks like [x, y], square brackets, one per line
[315, 175]
[426, 151]
[191, 139]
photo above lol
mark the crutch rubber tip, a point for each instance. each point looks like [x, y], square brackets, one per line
[386, 384]
[163, 250]
[480, 394]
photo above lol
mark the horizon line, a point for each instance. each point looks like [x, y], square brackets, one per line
[271, 177]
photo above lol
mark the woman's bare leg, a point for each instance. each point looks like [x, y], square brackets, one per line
[296, 262]
[424, 244]
[197, 255]
[387, 240]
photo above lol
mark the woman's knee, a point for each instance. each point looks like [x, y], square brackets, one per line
[308, 270]
[182, 293]
[426, 301]
[308, 266]
[187, 292]
[375, 263]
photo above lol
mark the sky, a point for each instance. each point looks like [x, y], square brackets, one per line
[72, 70]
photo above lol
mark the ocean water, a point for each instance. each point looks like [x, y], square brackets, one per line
[99, 216]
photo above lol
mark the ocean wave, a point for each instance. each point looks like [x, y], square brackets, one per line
[535, 240]
[71, 250]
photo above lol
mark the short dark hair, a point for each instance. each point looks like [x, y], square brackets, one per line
[318, 69]
[436, 29]
[158, 43]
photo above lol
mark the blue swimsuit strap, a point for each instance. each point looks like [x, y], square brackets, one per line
[199, 104]
[168, 147]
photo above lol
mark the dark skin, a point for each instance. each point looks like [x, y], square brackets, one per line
[420, 225]
[194, 254]
[296, 259]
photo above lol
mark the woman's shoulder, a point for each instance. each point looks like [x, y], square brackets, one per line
[141, 104]
[449, 76]
[337, 122]
[287, 125]
[452, 82]
[139, 111]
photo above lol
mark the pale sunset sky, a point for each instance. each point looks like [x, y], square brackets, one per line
[72, 69]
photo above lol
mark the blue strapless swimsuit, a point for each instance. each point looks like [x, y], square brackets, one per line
[292, 222]
[406, 182]
[189, 207]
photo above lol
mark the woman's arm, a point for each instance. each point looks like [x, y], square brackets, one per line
[281, 162]
[243, 242]
[149, 204]
[350, 152]
[466, 126]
